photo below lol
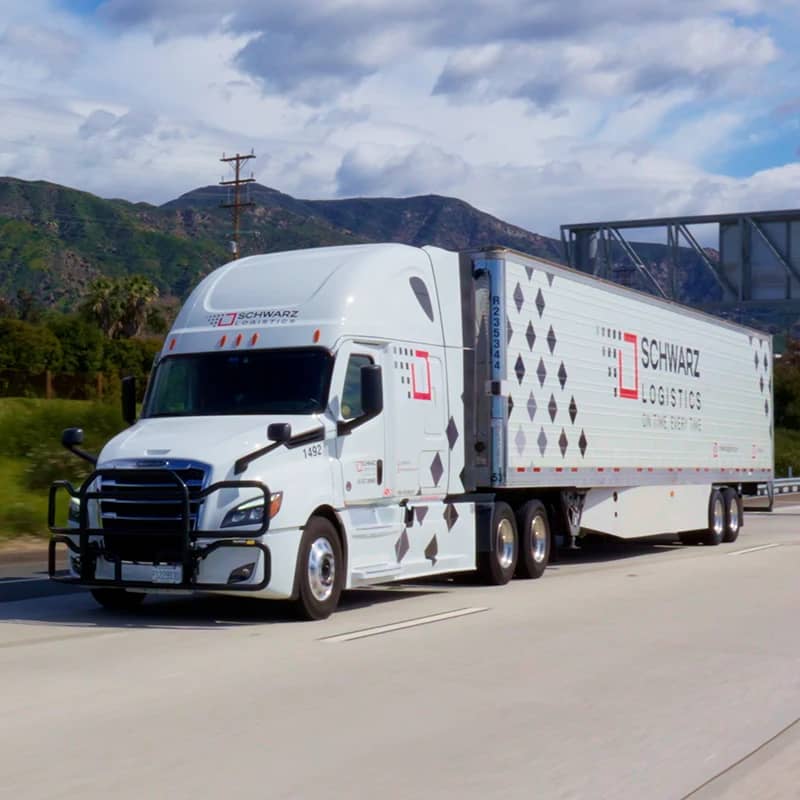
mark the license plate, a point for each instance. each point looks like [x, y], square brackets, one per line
[167, 573]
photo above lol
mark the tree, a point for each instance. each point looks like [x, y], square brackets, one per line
[119, 306]
[27, 347]
[81, 343]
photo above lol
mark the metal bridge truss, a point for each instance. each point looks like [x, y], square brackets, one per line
[757, 266]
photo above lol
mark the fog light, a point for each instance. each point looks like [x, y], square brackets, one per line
[242, 573]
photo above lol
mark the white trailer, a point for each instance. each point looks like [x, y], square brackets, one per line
[338, 417]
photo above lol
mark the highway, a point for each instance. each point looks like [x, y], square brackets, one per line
[640, 671]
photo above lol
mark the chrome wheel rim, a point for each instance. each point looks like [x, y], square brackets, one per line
[321, 569]
[733, 515]
[505, 543]
[538, 539]
[718, 517]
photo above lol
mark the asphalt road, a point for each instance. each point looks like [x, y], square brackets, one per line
[638, 671]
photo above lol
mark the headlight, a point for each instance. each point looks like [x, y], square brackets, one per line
[252, 512]
[74, 513]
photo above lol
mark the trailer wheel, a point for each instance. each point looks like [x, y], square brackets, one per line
[118, 599]
[496, 567]
[716, 520]
[733, 514]
[320, 570]
[534, 540]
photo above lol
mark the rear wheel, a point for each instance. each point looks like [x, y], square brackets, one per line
[733, 514]
[716, 520]
[534, 540]
[496, 567]
[118, 599]
[320, 570]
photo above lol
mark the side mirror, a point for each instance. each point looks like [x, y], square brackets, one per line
[371, 390]
[72, 437]
[129, 400]
[279, 432]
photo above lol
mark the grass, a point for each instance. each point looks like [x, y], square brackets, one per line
[31, 455]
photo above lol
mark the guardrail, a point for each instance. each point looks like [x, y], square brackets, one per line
[780, 486]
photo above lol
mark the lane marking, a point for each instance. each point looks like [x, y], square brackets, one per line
[399, 626]
[754, 549]
[9, 581]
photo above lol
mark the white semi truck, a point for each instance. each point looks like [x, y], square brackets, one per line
[338, 417]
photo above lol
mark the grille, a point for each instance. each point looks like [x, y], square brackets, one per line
[145, 511]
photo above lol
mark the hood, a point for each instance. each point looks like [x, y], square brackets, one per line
[217, 441]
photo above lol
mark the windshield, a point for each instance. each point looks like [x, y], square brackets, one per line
[257, 382]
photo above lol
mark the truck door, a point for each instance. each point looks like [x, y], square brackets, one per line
[362, 452]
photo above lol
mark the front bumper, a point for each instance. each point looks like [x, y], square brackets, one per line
[98, 560]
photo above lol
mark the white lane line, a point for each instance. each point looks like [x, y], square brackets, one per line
[9, 581]
[399, 626]
[754, 549]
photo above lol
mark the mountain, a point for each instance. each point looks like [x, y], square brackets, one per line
[55, 240]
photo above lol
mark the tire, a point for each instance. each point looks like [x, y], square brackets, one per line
[716, 520]
[320, 571]
[118, 599]
[733, 514]
[496, 567]
[534, 540]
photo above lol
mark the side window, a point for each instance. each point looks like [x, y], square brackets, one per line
[351, 393]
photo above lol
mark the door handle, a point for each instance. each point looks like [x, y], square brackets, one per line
[380, 471]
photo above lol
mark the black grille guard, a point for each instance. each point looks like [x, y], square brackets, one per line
[192, 553]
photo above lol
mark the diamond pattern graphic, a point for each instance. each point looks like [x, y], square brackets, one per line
[542, 441]
[420, 512]
[766, 407]
[450, 516]
[510, 405]
[509, 331]
[551, 339]
[530, 335]
[552, 408]
[761, 383]
[550, 278]
[519, 369]
[519, 297]
[401, 546]
[766, 362]
[531, 406]
[563, 442]
[573, 409]
[437, 470]
[452, 433]
[755, 357]
[432, 550]
[520, 441]
[541, 371]
[540, 302]
[562, 374]
[529, 270]
[582, 443]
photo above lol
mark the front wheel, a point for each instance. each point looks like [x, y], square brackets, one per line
[496, 567]
[118, 599]
[534, 540]
[320, 570]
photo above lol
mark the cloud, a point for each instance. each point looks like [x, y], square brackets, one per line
[39, 45]
[381, 171]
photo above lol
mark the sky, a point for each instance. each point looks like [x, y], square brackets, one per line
[541, 112]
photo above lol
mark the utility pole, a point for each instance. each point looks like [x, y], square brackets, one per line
[237, 183]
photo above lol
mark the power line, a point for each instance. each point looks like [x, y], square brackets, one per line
[237, 203]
